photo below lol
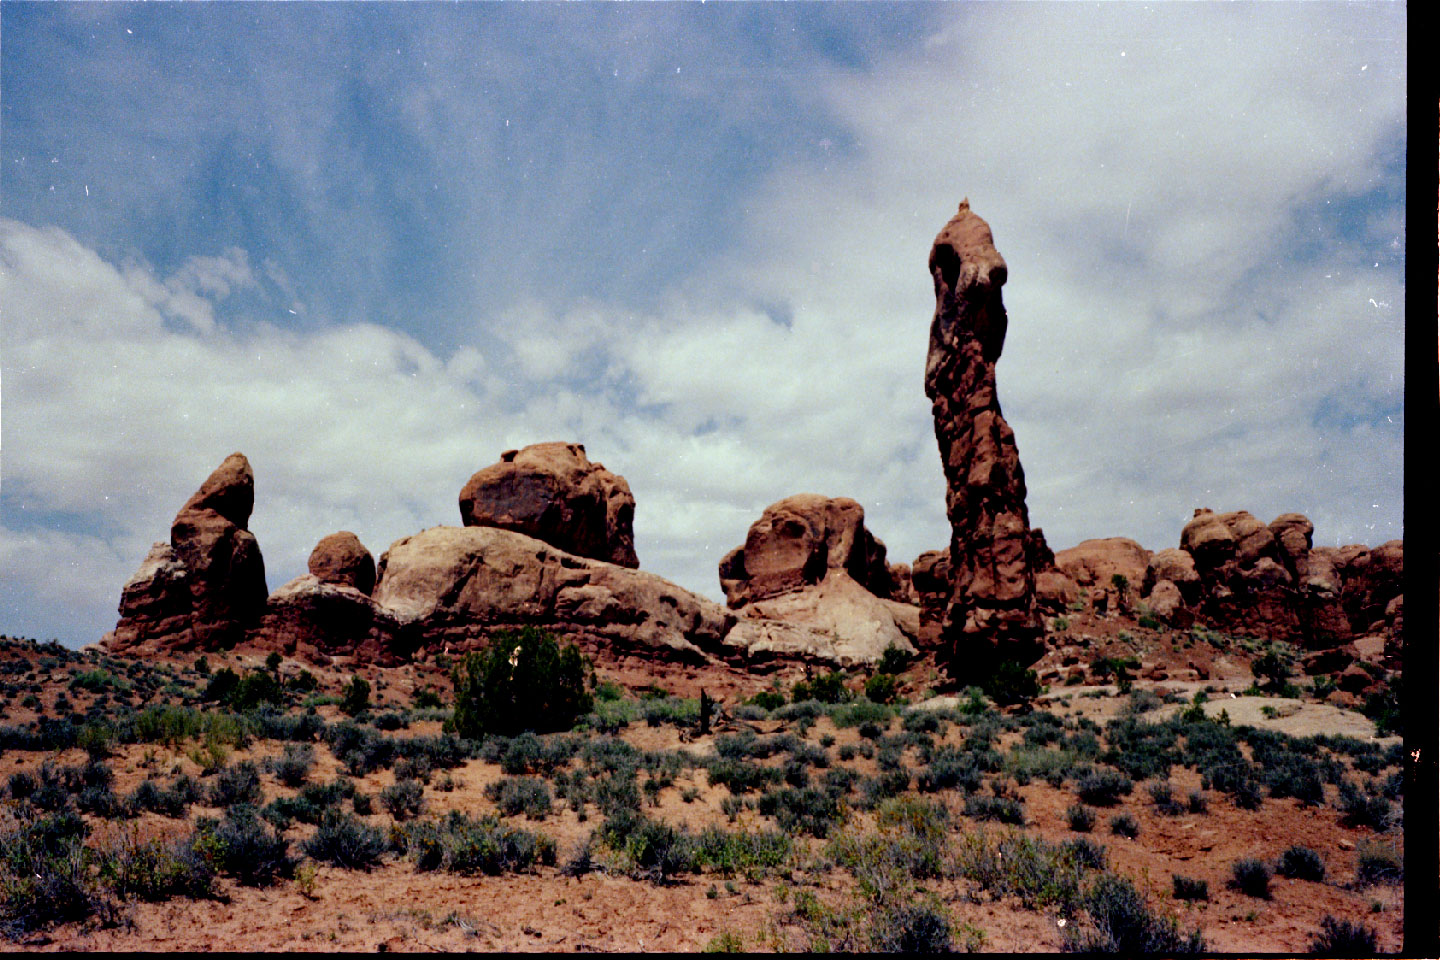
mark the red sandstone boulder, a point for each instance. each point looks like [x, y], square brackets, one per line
[1097, 562]
[812, 584]
[902, 583]
[1207, 539]
[989, 613]
[315, 620]
[1176, 566]
[1166, 603]
[1372, 578]
[1054, 591]
[448, 586]
[208, 588]
[552, 492]
[1294, 536]
[797, 542]
[343, 560]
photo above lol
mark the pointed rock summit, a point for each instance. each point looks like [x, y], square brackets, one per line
[205, 587]
[988, 613]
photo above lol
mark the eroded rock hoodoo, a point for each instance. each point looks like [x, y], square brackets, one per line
[811, 583]
[989, 613]
[512, 565]
[206, 587]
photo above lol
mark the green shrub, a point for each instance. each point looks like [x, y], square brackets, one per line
[243, 847]
[355, 696]
[1103, 788]
[1121, 923]
[345, 841]
[880, 688]
[652, 849]
[403, 799]
[1301, 863]
[254, 689]
[237, 784]
[1359, 810]
[1001, 809]
[21, 785]
[155, 870]
[45, 875]
[862, 713]
[1124, 825]
[1163, 796]
[893, 660]
[543, 690]
[293, 766]
[884, 785]
[1251, 877]
[1011, 682]
[1385, 708]
[517, 795]
[173, 802]
[767, 700]
[1341, 938]
[806, 810]
[1378, 863]
[826, 688]
[221, 686]
[1274, 668]
[749, 853]
[1081, 818]
[740, 776]
[1186, 888]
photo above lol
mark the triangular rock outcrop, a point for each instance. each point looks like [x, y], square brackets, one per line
[989, 611]
[206, 587]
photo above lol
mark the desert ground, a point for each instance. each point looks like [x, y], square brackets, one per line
[144, 808]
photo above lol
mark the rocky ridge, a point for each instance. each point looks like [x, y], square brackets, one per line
[547, 539]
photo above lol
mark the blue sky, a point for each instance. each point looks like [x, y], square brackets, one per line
[374, 245]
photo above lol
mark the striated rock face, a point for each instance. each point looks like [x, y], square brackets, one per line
[448, 586]
[552, 492]
[207, 586]
[990, 612]
[342, 559]
[797, 542]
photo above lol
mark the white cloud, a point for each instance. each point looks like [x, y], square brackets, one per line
[1167, 348]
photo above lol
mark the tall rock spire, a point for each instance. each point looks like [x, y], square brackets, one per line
[990, 614]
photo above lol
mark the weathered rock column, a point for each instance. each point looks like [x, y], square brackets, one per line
[990, 614]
